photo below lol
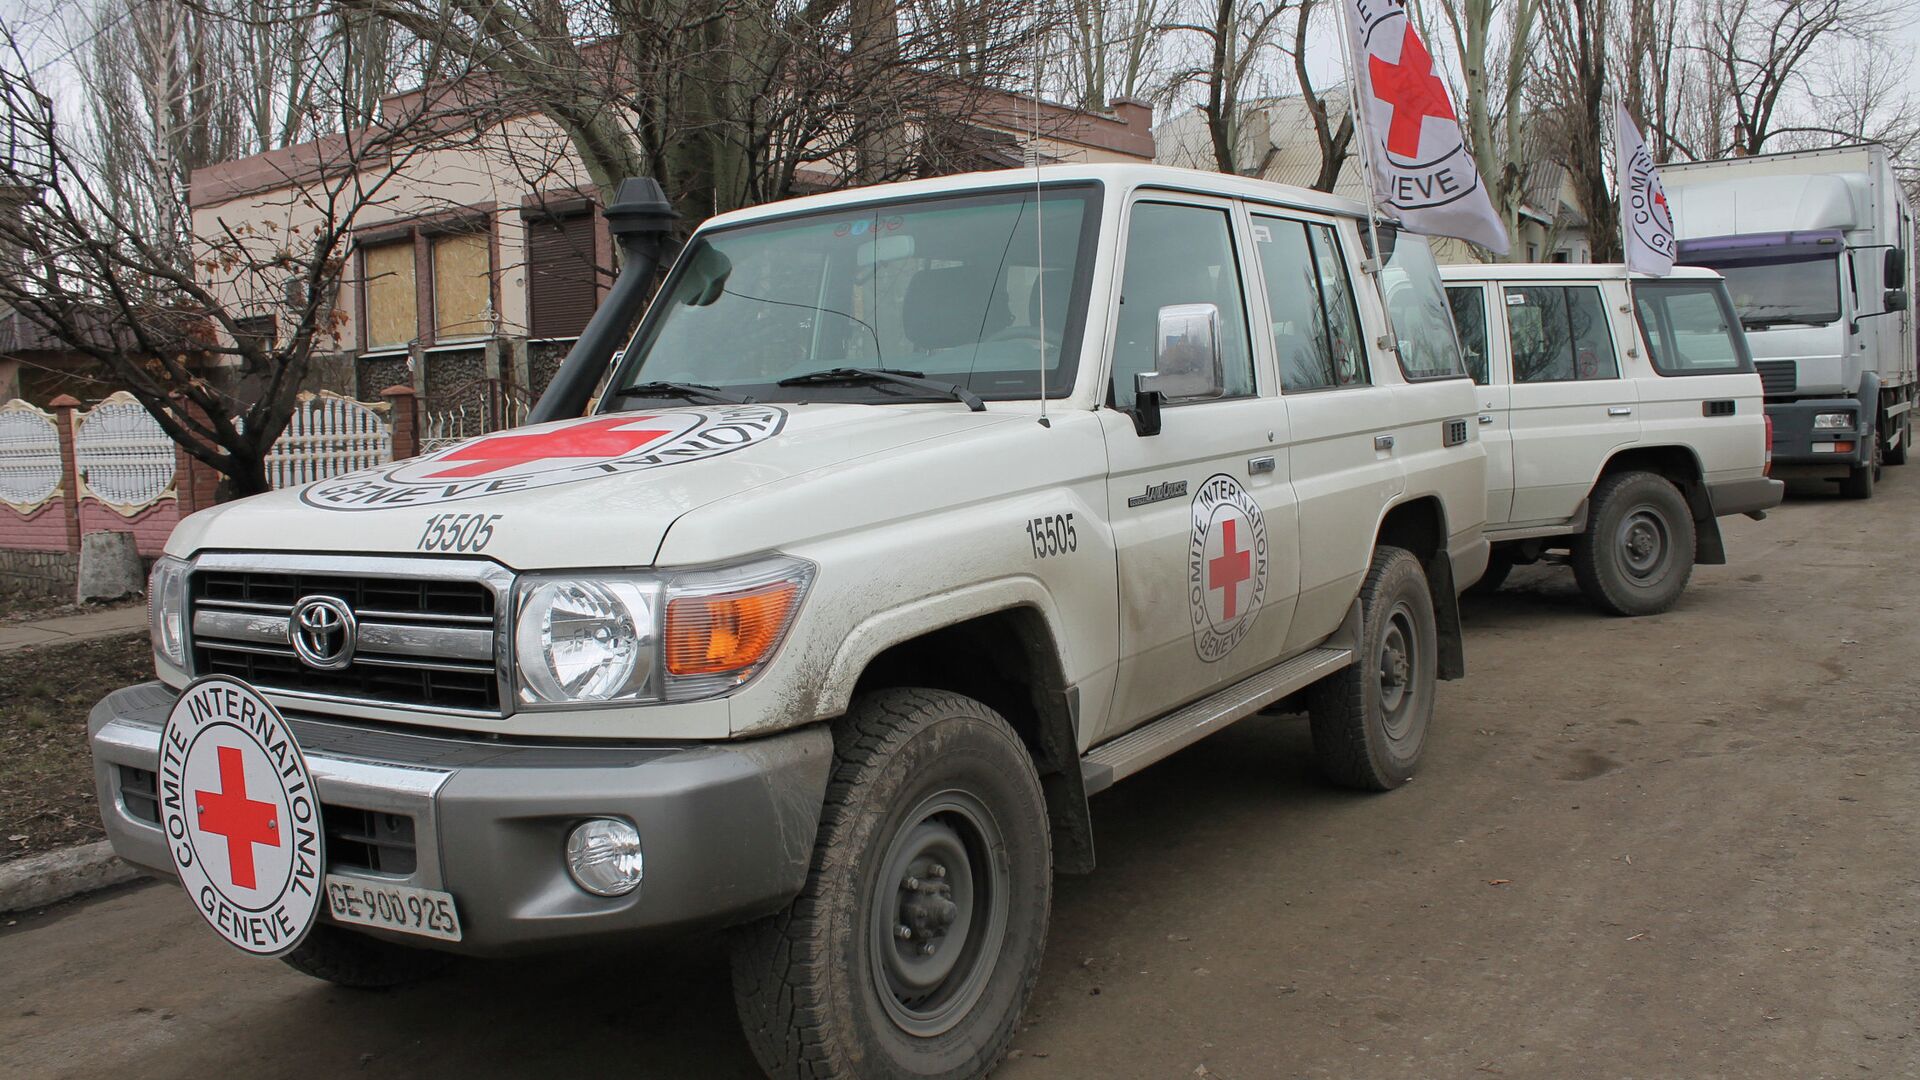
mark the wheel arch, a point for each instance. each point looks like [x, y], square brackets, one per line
[1008, 658]
[1680, 465]
[1419, 525]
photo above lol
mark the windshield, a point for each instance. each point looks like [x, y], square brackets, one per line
[1774, 293]
[978, 290]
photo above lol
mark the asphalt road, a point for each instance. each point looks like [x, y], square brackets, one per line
[1680, 846]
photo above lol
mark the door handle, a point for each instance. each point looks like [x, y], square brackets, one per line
[1259, 465]
[1620, 410]
[1486, 418]
[1383, 442]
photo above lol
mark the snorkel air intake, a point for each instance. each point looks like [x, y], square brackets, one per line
[640, 220]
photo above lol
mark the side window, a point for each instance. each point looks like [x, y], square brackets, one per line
[1469, 303]
[1310, 310]
[1689, 328]
[1179, 255]
[1417, 302]
[1559, 334]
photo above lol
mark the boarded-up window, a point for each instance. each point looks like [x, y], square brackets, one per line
[560, 275]
[462, 274]
[392, 305]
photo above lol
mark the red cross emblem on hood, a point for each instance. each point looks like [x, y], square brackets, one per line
[1413, 90]
[601, 440]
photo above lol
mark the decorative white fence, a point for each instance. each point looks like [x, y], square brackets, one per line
[329, 435]
[30, 466]
[124, 457]
[442, 429]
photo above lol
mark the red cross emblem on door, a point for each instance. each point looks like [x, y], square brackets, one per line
[1414, 92]
[1228, 569]
[600, 440]
[243, 821]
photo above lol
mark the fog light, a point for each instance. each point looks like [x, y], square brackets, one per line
[603, 855]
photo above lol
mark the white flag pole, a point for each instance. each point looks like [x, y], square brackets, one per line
[1363, 135]
[1619, 184]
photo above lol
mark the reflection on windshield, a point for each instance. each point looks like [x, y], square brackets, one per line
[973, 290]
[1775, 293]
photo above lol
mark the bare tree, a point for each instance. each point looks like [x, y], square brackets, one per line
[1334, 139]
[1761, 50]
[1489, 34]
[1570, 99]
[1237, 39]
[1112, 48]
[186, 337]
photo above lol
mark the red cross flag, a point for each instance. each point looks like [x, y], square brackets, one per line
[1422, 172]
[1646, 225]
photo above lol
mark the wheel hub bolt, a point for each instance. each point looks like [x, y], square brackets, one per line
[936, 870]
[911, 884]
[927, 949]
[903, 931]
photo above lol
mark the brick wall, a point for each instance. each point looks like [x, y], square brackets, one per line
[150, 527]
[43, 530]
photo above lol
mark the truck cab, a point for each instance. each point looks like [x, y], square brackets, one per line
[1817, 250]
[908, 518]
[1621, 417]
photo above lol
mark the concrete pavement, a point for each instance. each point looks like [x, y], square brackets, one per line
[69, 628]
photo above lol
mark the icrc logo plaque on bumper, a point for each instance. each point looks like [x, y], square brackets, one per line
[241, 816]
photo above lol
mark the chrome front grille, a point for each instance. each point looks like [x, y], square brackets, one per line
[425, 634]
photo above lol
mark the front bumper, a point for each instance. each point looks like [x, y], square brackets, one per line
[727, 829]
[1795, 440]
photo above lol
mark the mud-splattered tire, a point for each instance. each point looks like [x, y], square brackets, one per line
[345, 958]
[1370, 720]
[1637, 553]
[915, 944]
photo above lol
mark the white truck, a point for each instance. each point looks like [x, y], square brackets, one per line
[1621, 417]
[909, 517]
[1817, 249]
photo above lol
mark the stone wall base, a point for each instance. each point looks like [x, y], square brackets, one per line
[39, 573]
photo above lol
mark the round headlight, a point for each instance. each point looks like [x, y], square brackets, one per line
[603, 857]
[584, 640]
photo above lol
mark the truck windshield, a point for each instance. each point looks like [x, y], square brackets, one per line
[1800, 291]
[977, 290]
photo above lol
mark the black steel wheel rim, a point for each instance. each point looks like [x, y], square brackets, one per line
[1399, 671]
[938, 913]
[1645, 544]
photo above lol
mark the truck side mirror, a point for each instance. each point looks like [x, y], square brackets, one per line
[1895, 300]
[1893, 270]
[1186, 363]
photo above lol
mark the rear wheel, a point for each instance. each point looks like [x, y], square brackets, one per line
[916, 942]
[1860, 480]
[1637, 553]
[1370, 720]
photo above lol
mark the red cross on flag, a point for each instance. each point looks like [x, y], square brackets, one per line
[1422, 172]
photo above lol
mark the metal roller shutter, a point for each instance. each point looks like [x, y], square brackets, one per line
[560, 275]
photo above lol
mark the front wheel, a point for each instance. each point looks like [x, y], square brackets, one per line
[1637, 553]
[1370, 720]
[361, 962]
[915, 944]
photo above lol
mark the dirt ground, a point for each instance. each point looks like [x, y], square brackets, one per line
[46, 771]
[1676, 847]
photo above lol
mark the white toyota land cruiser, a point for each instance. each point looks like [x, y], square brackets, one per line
[1620, 418]
[909, 517]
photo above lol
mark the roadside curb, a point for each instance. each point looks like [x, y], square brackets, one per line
[61, 875]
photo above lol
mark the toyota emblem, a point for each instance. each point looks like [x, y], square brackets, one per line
[322, 632]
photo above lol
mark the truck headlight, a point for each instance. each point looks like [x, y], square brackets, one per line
[1833, 421]
[607, 639]
[167, 611]
[582, 640]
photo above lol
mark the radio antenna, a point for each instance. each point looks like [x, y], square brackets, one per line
[1039, 238]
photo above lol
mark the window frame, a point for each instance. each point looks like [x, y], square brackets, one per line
[1573, 352]
[1735, 331]
[421, 231]
[1308, 222]
[1486, 327]
[1235, 213]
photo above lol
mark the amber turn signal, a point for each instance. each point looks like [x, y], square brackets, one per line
[710, 635]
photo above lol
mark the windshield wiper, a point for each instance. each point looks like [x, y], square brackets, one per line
[688, 390]
[851, 375]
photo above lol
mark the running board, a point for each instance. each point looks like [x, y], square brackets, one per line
[1120, 758]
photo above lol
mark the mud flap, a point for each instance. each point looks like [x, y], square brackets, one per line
[1446, 617]
[1068, 817]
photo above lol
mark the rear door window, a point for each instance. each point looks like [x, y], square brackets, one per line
[1417, 304]
[1310, 308]
[1559, 333]
[1689, 328]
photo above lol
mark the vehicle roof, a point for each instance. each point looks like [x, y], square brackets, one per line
[1563, 272]
[1116, 177]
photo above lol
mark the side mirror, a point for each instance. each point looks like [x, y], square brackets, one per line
[1893, 270]
[1186, 360]
[1895, 300]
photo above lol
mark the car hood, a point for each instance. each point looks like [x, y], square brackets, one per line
[596, 491]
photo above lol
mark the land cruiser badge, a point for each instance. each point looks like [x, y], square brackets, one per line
[1226, 566]
[550, 454]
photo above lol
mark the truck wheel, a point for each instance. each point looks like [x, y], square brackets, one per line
[916, 942]
[1370, 720]
[1637, 553]
[345, 958]
[1859, 482]
[1897, 455]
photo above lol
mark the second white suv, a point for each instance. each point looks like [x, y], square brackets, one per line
[1621, 417]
